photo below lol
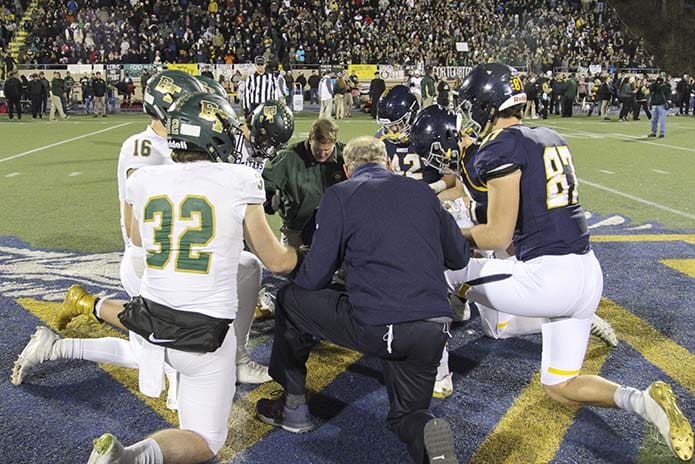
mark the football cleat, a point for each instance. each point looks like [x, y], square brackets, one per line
[77, 302]
[248, 371]
[107, 450]
[265, 307]
[661, 409]
[38, 350]
[602, 329]
[444, 387]
[275, 413]
[439, 442]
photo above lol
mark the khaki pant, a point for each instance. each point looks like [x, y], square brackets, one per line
[338, 100]
[56, 104]
[604, 107]
[427, 101]
[326, 109]
[100, 103]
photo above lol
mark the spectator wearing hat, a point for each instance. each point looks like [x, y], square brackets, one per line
[260, 86]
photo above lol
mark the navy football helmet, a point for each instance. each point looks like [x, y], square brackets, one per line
[488, 89]
[396, 112]
[436, 137]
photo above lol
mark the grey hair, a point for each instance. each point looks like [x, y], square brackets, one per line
[363, 150]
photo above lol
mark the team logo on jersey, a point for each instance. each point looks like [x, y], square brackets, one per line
[209, 112]
[168, 88]
[270, 111]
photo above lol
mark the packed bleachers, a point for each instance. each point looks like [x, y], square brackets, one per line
[537, 34]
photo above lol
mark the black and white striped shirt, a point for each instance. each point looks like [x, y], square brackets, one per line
[259, 88]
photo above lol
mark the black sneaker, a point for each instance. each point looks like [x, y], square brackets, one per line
[652, 135]
[661, 136]
[439, 442]
[274, 412]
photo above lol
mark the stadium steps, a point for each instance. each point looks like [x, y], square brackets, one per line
[20, 37]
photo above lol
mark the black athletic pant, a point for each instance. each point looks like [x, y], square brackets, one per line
[640, 104]
[35, 106]
[627, 105]
[303, 317]
[567, 103]
[14, 104]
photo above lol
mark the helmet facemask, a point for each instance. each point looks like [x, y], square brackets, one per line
[402, 126]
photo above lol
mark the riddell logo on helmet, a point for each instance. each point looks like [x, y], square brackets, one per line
[178, 145]
[519, 98]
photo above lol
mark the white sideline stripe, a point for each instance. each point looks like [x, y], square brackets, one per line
[45, 147]
[12, 174]
[637, 199]
[658, 171]
[73, 174]
[606, 172]
[574, 133]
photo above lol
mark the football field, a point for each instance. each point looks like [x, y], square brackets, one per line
[59, 226]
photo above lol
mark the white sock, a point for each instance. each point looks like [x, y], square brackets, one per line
[443, 368]
[630, 399]
[146, 451]
[97, 307]
[109, 350]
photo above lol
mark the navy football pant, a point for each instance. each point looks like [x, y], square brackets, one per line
[303, 317]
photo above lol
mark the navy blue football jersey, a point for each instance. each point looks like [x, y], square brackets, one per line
[469, 175]
[406, 162]
[551, 221]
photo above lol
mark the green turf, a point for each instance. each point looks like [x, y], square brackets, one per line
[47, 207]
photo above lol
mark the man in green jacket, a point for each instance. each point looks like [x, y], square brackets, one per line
[427, 88]
[296, 179]
[661, 95]
[57, 91]
[569, 96]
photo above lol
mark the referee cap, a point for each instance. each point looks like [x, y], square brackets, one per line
[259, 60]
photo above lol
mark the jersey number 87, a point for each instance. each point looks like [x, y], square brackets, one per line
[561, 185]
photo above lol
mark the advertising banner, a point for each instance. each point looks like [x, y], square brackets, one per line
[451, 72]
[189, 68]
[365, 72]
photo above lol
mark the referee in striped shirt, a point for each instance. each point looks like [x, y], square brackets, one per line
[260, 87]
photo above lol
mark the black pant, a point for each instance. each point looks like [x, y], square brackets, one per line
[303, 317]
[35, 106]
[639, 104]
[13, 104]
[375, 105]
[567, 103]
[626, 107]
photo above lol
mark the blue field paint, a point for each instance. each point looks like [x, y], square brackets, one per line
[63, 405]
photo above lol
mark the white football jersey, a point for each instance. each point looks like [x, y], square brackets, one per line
[191, 223]
[139, 150]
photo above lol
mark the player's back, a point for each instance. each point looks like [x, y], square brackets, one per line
[146, 148]
[551, 221]
[191, 222]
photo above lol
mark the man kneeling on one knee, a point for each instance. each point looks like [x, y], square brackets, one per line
[395, 303]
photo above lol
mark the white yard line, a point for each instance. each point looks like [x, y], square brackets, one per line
[45, 147]
[659, 171]
[637, 199]
[606, 172]
[73, 174]
[12, 174]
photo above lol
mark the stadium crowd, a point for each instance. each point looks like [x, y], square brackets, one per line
[537, 34]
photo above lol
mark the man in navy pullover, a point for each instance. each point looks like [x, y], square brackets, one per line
[393, 239]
